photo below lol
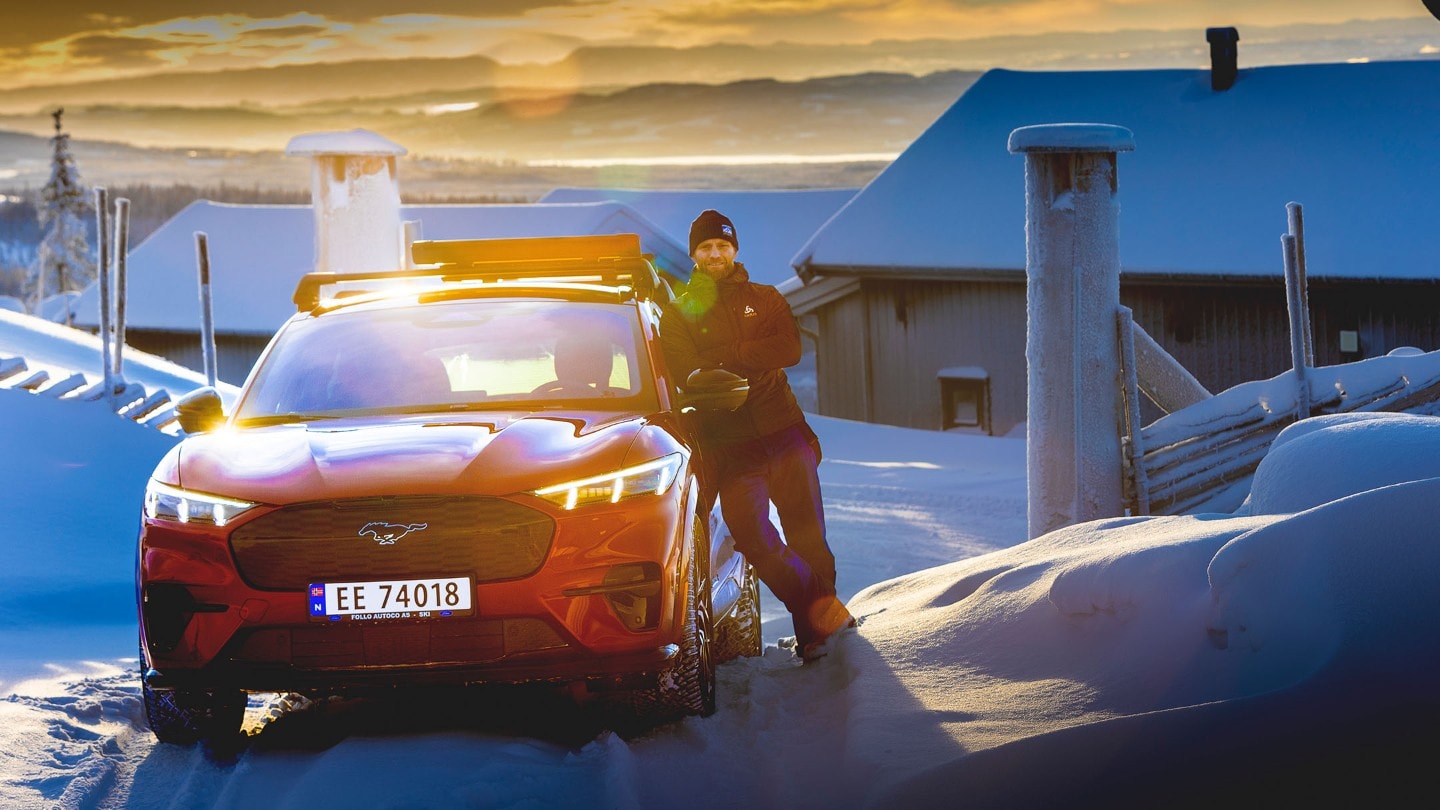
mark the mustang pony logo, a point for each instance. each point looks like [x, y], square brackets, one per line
[387, 533]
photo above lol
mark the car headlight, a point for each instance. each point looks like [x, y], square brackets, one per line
[171, 503]
[651, 478]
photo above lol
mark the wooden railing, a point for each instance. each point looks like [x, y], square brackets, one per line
[1200, 458]
[152, 408]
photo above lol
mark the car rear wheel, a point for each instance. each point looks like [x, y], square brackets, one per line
[740, 635]
[185, 717]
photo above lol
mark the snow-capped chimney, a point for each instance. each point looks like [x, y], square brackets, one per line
[356, 198]
[1224, 56]
[1072, 294]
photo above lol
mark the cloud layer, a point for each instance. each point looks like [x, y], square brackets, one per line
[91, 42]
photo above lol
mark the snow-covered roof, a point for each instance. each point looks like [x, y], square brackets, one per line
[259, 252]
[773, 224]
[1203, 192]
[60, 351]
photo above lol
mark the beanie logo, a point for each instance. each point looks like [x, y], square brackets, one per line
[728, 231]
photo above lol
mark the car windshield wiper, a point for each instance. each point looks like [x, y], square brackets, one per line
[450, 407]
[283, 419]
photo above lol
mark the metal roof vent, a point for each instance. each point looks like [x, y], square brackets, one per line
[1223, 56]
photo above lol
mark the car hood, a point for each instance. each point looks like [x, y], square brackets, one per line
[356, 458]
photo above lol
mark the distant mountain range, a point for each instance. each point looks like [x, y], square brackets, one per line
[840, 114]
[867, 117]
[475, 124]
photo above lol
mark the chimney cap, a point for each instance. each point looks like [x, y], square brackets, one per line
[354, 142]
[1226, 35]
[1071, 137]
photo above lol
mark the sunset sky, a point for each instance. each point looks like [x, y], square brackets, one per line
[99, 39]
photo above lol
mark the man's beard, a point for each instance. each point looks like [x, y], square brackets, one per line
[719, 268]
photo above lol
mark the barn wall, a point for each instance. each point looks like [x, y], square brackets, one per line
[234, 355]
[1229, 335]
[1386, 317]
[842, 360]
[915, 329]
[1224, 334]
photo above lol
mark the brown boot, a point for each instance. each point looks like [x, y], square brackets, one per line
[828, 616]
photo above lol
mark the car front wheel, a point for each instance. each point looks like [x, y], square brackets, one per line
[185, 717]
[688, 687]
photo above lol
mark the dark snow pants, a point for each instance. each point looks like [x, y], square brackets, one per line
[780, 468]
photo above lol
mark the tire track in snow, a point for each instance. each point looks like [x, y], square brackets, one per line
[89, 739]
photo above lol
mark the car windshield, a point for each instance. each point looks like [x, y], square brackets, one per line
[457, 355]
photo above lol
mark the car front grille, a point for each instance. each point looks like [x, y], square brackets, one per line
[400, 537]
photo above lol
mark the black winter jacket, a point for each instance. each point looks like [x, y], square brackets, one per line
[740, 326]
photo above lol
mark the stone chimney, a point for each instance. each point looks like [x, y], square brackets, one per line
[1224, 56]
[356, 197]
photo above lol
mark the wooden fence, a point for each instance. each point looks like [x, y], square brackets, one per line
[152, 408]
[1189, 460]
[1201, 457]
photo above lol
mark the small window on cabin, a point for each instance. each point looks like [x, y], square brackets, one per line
[964, 398]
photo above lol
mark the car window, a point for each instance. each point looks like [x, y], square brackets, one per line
[454, 355]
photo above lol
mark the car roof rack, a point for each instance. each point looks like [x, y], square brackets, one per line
[610, 259]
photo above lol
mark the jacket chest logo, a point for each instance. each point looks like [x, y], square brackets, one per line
[749, 311]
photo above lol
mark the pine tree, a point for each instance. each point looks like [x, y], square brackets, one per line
[64, 255]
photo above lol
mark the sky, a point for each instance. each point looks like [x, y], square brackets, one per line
[99, 40]
[1192, 660]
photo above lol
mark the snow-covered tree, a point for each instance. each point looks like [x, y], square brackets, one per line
[63, 259]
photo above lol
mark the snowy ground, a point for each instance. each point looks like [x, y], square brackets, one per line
[1172, 661]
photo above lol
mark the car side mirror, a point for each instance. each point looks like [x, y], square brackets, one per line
[714, 389]
[200, 411]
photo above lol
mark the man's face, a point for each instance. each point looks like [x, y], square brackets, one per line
[715, 257]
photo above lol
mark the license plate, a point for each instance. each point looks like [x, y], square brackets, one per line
[390, 599]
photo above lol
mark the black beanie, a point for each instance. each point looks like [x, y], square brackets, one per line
[712, 224]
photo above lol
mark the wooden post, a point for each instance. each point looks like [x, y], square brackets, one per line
[122, 239]
[102, 279]
[207, 320]
[1168, 384]
[1134, 451]
[1295, 221]
[1297, 327]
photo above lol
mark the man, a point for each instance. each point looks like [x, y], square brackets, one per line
[763, 451]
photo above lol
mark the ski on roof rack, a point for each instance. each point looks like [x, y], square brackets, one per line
[611, 259]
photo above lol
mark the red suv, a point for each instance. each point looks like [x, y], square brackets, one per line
[474, 472]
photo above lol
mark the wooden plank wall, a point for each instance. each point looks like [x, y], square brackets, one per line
[234, 354]
[879, 349]
[916, 328]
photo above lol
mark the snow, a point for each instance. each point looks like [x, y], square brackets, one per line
[1166, 661]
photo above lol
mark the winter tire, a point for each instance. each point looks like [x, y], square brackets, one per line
[186, 717]
[688, 687]
[740, 634]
